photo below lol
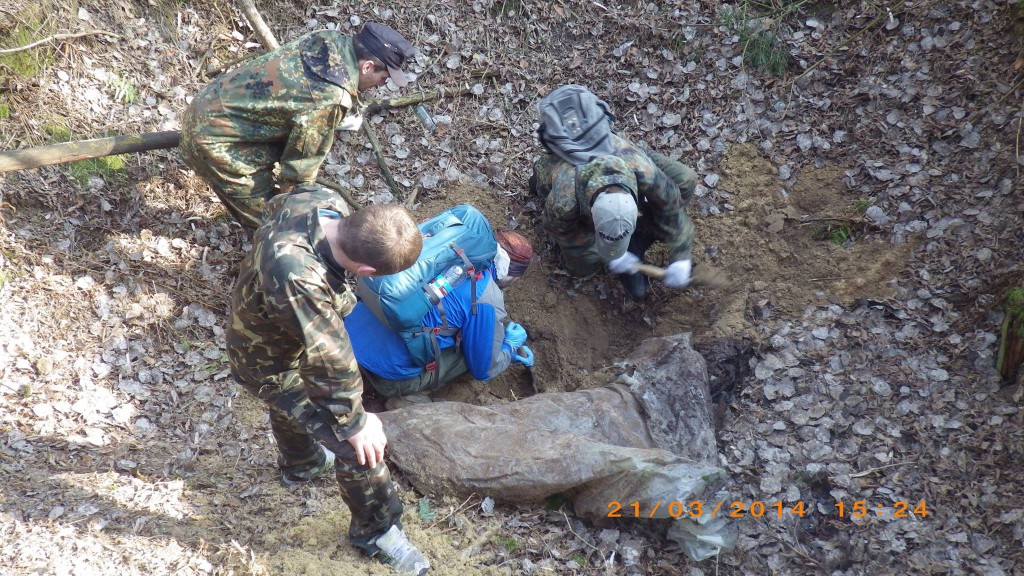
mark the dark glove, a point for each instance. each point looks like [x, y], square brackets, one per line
[524, 356]
[515, 335]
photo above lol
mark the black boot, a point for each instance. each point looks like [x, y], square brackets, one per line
[636, 285]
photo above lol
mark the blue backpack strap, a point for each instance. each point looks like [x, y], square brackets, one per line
[443, 330]
[471, 270]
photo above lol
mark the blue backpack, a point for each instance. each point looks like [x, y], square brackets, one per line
[457, 245]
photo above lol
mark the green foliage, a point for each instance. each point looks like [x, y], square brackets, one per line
[837, 234]
[580, 559]
[1015, 302]
[27, 63]
[840, 234]
[109, 168]
[506, 7]
[124, 89]
[5, 109]
[509, 543]
[757, 22]
[860, 206]
[426, 510]
[57, 130]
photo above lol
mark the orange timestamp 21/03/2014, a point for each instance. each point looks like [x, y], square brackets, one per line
[759, 509]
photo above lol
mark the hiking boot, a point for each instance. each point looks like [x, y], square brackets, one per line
[636, 285]
[404, 401]
[325, 469]
[396, 551]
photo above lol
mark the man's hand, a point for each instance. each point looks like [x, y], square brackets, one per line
[370, 442]
[625, 264]
[515, 335]
[524, 356]
[677, 275]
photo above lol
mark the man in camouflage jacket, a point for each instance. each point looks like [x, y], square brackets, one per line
[661, 188]
[283, 108]
[288, 346]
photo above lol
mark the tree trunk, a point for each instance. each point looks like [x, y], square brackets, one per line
[1011, 341]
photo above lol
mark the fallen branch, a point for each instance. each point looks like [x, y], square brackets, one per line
[56, 37]
[384, 170]
[343, 192]
[263, 32]
[11, 160]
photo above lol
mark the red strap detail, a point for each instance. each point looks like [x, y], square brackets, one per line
[431, 367]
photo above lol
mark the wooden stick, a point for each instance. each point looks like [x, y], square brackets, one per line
[384, 170]
[57, 37]
[11, 160]
[702, 275]
[344, 193]
[260, 27]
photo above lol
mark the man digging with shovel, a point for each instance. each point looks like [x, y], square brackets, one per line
[606, 200]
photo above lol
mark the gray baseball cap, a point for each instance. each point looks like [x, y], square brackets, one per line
[614, 214]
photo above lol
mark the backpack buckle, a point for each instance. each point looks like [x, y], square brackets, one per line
[432, 367]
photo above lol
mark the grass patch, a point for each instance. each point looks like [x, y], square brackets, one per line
[757, 23]
[860, 206]
[509, 543]
[27, 63]
[5, 109]
[506, 8]
[123, 88]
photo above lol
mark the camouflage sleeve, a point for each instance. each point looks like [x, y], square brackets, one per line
[668, 209]
[540, 180]
[327, 364]
[561, 220]
[308, 143]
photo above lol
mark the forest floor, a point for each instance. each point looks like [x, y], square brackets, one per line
[859, 182]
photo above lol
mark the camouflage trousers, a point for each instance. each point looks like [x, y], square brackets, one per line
[584, 260]
[450, 365]
[302, 433]
[241, 174]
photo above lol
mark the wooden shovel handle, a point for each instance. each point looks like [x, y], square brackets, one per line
[652, 271]
[702, 275]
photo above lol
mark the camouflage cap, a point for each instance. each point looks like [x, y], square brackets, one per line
[389, 47]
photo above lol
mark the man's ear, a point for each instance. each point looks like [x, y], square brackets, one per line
[366, 66]
[365, 270]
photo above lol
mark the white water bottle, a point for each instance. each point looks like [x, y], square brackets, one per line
[444, 283]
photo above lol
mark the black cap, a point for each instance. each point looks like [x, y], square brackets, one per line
[389, 47]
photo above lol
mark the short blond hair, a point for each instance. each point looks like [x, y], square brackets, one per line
[383, 236]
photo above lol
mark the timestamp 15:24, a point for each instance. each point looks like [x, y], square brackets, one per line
[900, 509]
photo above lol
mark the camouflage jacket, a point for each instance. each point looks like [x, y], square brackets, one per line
[287, 309]
[295, 95]
[662, 207]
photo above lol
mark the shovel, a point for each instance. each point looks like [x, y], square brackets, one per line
[530, 377]
[702, 276]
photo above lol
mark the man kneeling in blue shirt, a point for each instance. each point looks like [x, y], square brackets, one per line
[484, 346]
